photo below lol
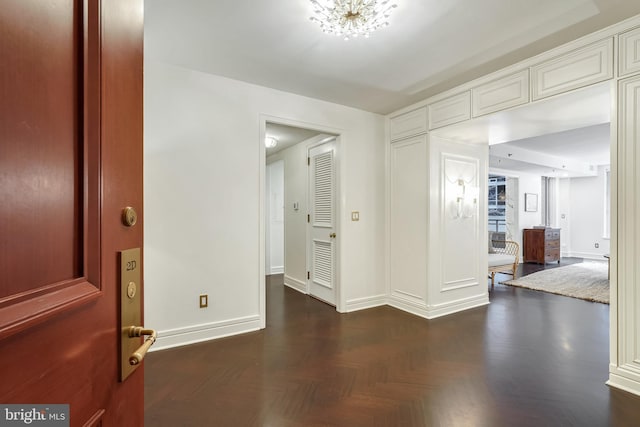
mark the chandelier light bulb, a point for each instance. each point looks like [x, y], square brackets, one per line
[352, 18]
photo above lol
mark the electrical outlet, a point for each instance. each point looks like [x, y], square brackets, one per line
[597, 245]
[204, 301]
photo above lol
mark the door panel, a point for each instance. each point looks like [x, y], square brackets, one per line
[45, 222]
[70, 160]
[322, 222]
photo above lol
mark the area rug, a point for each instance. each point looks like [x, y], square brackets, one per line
[587, 280]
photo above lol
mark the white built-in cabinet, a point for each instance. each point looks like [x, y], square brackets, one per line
[582, 67]
[629, 58]
[572, 70]
[451, 110]
[408, 124]
[501, 94]
[423, 276]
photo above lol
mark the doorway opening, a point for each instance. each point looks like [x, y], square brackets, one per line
[550, 162]
[300, 208]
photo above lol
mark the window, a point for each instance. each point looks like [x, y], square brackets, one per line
[497, 202]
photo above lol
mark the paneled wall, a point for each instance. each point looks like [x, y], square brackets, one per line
[437, 227]
[408, 224]
[610, 55]
[457, 226]
[625, 314]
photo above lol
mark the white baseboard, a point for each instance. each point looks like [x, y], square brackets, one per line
[623, 383]
[586, 255]
[296, 284]
[435, 311]
[439, 310]
[205, 332]
[277, 270]
[408, 306]
[364, 303]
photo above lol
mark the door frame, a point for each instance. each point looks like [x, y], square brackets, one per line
[262, 161]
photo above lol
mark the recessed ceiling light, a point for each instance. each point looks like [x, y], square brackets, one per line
[270, 142]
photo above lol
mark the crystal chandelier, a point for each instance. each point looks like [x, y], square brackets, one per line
[352, 18]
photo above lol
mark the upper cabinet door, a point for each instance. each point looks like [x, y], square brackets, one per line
[451, 110]
[501, 94]
[629, 43]
[408, 124]
[582, 67]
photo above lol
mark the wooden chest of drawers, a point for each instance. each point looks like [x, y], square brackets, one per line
[541, 245]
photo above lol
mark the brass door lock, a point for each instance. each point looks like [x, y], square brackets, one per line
[129, 216]
[132, 352]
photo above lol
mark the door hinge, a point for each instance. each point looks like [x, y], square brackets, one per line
[308, 218]
[308, 161]
[308, 275]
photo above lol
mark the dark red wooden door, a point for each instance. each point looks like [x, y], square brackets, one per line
[70, 161]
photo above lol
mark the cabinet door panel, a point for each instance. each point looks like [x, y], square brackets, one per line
[629, 52]
[449, 111]
[582, 67]
[408, 124]
[501, 94]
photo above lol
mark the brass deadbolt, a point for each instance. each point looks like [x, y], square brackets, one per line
[129, 216]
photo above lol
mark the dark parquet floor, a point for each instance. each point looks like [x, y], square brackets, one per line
[527, 359]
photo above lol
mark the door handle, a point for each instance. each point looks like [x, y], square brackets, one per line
[131, 351]
[139, 331]
[332, 235]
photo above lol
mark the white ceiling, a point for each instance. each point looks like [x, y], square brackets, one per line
[431, 45]
[287, 136]
[573, 153]
[563, 136]
[577, 109]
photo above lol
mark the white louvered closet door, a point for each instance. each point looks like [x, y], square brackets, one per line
[322, 218]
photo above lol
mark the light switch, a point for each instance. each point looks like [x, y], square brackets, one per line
[355, 216]
[296, 206]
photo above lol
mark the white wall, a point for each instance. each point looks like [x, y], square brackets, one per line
[203, 165]
[579, 213]
[564, 217]
[583, 207]
[274, 218]
[528, 183]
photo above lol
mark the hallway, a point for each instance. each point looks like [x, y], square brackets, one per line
[527, 359]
